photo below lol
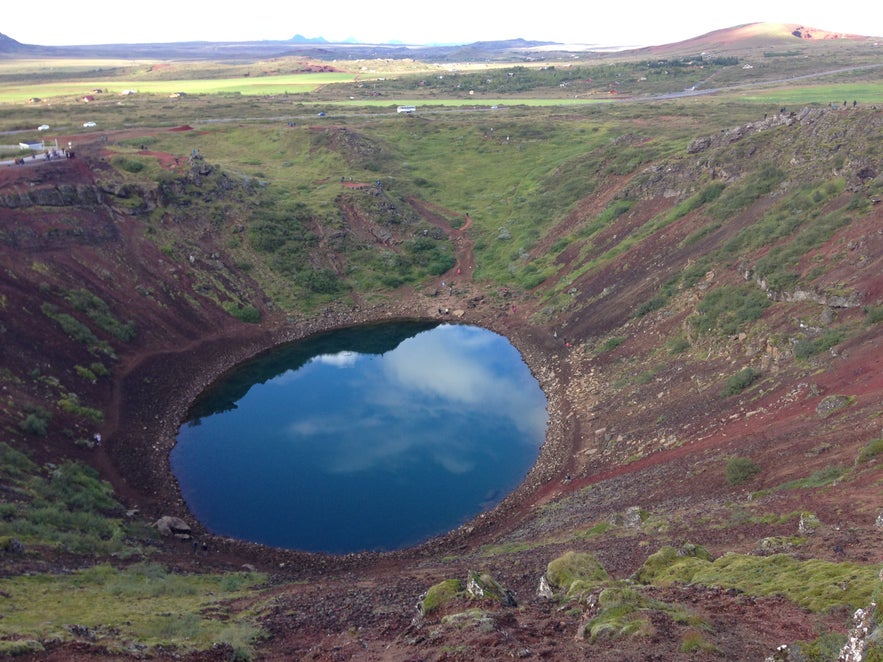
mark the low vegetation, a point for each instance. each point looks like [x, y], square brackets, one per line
[141, 608]
[816, 585]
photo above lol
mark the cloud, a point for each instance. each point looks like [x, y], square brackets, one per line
[445, 364]
[340, 360]
[419, 400]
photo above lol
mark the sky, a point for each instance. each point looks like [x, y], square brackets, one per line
[610, 24]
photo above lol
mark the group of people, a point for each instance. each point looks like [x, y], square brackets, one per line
[48, 156]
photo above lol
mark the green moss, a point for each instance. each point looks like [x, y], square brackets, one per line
[816, 585]
[670, 565]
[440, 594]
[575, 573]
[621, 612]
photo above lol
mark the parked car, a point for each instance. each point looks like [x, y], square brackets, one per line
[89, 124]
[43, 127]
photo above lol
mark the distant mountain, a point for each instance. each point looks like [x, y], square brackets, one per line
[300, 39]
[10, 45]
[507, 44]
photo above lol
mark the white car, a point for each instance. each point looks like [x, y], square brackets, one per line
[88, 124]
[43, 127]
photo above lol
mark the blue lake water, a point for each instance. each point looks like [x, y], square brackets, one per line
[370, 438]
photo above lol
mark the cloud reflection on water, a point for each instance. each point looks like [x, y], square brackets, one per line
[430, 376]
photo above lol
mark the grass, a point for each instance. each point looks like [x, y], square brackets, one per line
[816, 585]
[871, 451]
[259, 85]
[68, 508]
[575, 573]
[821, 478]
[145, 604]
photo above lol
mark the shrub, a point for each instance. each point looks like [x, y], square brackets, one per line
[740, 470]
[677, 345]
[872, 450]
[85, 373]
[15, 463]
[79, 487]
[654, 303]
[248, 314]
[807, 347]
[740, 381]
[70, 403]
[728, 308]
[36, 422]
[99, 312]
[34, 425]
[322, 281]
[826, 647]
[70, 325]
[610, 344]
[129, 165]
[873, 314]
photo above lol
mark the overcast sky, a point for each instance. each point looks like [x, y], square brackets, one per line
[636, 23]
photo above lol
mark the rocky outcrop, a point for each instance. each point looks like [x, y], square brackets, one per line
[864, 634]
[62, 195]
[737, 133]
[480, 585]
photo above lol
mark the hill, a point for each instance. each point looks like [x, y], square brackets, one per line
[10, 45]
[696, 285]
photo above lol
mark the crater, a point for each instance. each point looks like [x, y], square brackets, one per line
[368, 438]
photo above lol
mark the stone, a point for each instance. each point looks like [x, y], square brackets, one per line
[173, 526]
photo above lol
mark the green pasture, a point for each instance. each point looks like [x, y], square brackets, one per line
[20, 91]
[797, 96]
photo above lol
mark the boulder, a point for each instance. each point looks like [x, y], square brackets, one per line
[173, 526]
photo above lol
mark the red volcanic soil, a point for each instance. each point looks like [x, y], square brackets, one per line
[660, 445]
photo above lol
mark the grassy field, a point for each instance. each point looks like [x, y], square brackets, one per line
[514, 146]
[81, 87]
